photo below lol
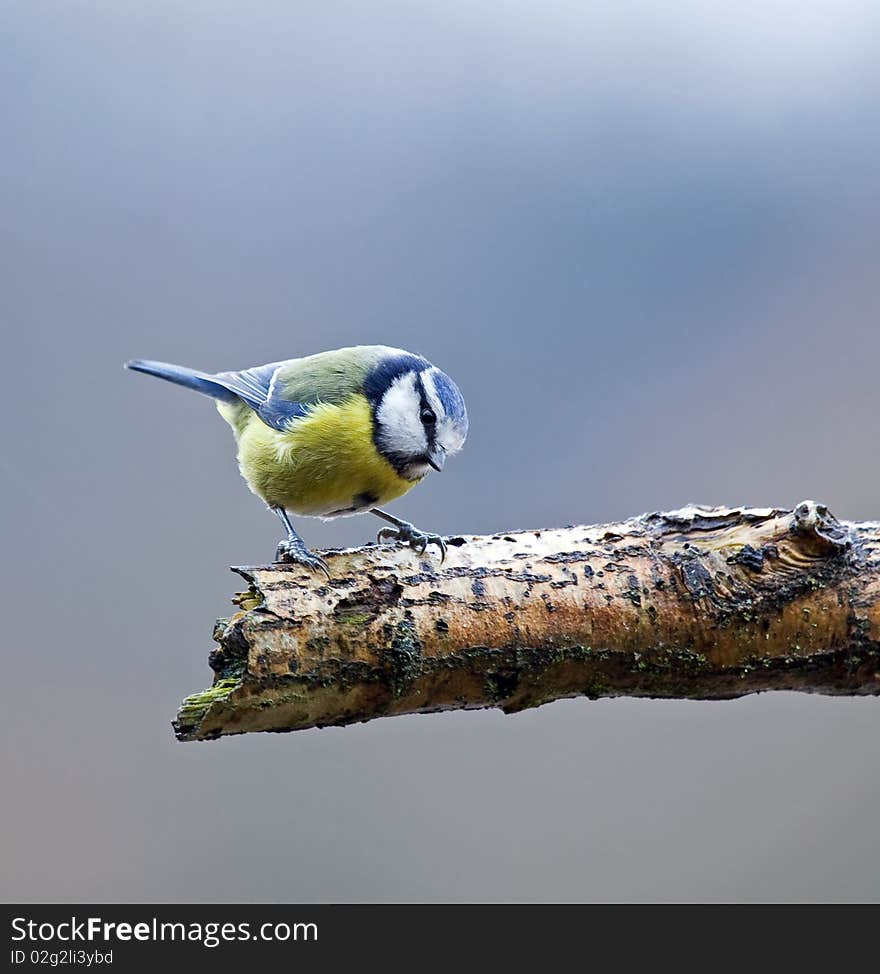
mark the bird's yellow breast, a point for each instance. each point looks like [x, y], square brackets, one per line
[325, 464]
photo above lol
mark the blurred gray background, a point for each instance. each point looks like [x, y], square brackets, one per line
[643, 238]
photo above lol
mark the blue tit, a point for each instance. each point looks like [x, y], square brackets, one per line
[335, 434]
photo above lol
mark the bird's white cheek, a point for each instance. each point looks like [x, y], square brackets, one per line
[450, 437]
[400, 428]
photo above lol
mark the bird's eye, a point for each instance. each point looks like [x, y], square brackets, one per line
[428, 417]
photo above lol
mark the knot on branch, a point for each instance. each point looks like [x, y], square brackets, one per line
[812, 519]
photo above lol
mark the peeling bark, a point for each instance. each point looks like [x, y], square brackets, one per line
[704, 603]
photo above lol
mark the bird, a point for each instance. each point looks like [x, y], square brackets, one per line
[335, 434]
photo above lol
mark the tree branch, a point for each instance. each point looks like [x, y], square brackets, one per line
[706, 603]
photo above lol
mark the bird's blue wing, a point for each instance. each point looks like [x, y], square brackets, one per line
[284, 391]
[257, 387]
[252, 385]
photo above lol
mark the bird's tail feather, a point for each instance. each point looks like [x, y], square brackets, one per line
[182, 376]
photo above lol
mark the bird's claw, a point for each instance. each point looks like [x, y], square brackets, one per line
[291, 552]
[411, 535]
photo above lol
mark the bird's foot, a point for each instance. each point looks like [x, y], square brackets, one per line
[293, 551]
[411, 535]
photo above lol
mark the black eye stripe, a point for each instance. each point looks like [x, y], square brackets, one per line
[426, 413]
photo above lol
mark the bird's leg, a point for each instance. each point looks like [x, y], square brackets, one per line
[409, 534]
[293, 548]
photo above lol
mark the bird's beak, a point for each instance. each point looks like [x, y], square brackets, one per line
[437, 457]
